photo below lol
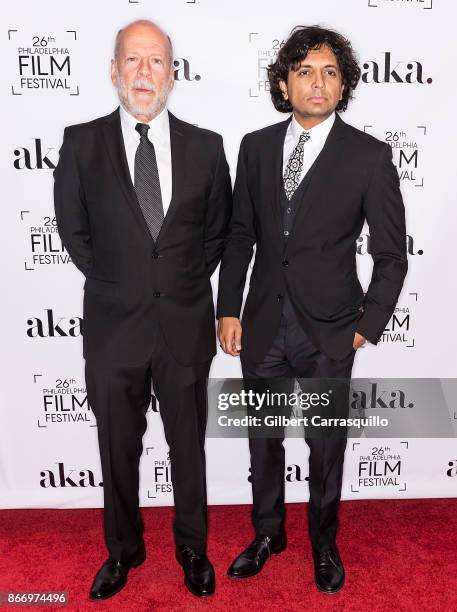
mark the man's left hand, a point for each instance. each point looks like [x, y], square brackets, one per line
[359, 341]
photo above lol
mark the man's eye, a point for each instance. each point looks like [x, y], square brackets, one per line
[331, 72]
[157, 60]
[305, 72]
[131, 59]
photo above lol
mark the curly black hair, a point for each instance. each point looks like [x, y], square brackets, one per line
[294, 51]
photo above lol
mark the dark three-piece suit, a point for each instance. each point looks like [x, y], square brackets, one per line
[305, 302]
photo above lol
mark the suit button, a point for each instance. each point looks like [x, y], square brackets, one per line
[279, 297]
[155, 255]
[285, 263]
[157, 294]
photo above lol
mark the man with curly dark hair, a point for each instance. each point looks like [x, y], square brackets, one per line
[303, 190]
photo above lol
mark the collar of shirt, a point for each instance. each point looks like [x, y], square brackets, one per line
[318, 133]
[159, 127]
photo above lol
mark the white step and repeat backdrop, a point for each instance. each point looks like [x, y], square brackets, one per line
[56, 72]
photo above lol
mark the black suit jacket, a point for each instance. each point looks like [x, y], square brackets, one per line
[132, 282]
[353, 179]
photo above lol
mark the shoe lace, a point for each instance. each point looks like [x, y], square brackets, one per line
[190, 553]
[325, 559]
[256, 545]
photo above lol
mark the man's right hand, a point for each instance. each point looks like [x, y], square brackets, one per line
[229, 333]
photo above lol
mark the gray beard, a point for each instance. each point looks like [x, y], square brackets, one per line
[150, 111]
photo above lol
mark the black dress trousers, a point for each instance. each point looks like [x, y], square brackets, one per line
[119, 396]
[293, 356]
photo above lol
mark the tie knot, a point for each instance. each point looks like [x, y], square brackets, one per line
[142, 129]
[305, 136]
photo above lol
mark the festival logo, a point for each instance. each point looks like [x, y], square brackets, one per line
[379, 467]
[44, 61]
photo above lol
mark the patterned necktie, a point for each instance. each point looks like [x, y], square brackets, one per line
[147, 182]
[292, 172]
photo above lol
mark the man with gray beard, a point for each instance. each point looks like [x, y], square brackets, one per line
[142, 204]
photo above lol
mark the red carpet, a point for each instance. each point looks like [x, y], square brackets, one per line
[399, 555]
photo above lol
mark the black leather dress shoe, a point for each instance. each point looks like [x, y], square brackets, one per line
[254, 557]
[112, 576]
[198, 572]
[328, 570]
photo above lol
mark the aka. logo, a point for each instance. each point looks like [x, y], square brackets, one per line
[452, 471]
[293, 473]
[53, 326]
[388, 70]
[69, 478]
[182, 70]
[34, 157]
[374, 398]
[363, 245]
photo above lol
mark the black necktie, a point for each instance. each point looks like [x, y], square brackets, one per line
[147, 182]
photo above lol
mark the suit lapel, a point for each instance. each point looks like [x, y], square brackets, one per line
[114, 142]
[178, 146]
[318, 175]
[276, 171]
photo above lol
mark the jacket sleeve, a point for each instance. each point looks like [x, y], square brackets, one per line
[240, 243]
[385, 214]
[218, 211]
[70, 208]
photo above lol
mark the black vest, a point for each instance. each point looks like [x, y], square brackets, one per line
[290, 207]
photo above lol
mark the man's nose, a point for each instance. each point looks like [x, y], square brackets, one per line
[318, 80]
[144, 68]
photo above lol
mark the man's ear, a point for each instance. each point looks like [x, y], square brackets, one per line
[172, 78]
[341, 94]
[283, 88]
[113, 72]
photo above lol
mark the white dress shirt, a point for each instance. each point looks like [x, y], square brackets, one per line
[159, 135]
[318, 136]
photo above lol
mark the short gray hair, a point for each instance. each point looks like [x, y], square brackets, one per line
[117, 42]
